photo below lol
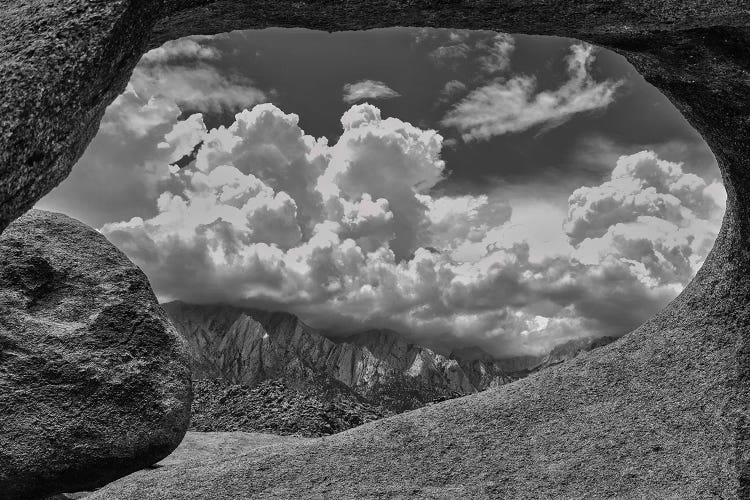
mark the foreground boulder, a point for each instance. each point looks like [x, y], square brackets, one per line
[94, 382]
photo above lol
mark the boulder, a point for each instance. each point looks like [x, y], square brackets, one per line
[94, 381]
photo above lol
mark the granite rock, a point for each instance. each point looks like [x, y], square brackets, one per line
[94, 382]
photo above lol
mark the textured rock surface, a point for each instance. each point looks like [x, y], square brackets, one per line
[662, 413]
[94, 382]
[199, 447]
[247, 346]
[202, 446]
[316, 407]
[522, 366]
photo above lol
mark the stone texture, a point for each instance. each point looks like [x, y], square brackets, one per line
[198, 447]
[94, 382]
[662, 413]
[310, 408]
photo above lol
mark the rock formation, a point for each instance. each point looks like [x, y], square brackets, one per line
[662, 413]
[311, 408]
[94, 382]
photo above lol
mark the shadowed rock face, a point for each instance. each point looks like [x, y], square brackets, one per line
[662, 413]
[94, 381]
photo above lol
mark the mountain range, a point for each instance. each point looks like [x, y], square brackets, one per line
[254, 362]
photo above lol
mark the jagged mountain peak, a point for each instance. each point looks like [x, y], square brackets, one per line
[248, 346]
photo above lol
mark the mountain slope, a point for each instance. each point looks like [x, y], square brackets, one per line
[248, 346]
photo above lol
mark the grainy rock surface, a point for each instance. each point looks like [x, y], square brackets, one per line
[662, 413]
[199, 447]
[311, 408]
[94, 382]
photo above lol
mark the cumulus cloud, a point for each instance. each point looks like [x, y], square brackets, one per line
[652, 215]
[389, 159]
[514, 105]
[352, 236]
[367, 89]
[120, 173]
[356, 234]
[141, 134]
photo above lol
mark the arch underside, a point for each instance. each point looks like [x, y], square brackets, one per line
[661, 413]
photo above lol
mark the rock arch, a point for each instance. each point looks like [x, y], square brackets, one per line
[664, 412]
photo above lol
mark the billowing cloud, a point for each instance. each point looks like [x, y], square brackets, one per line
[120, 173]
[514, 105]
[389, 159]
[367, 89]
[352, 236]
[651, 215]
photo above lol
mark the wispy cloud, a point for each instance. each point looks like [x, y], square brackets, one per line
[515, 105]
[491, 51]
[497, 53]
[183, 71]
[451, 90]
[367, 89]
[184, 48]
[199, 87]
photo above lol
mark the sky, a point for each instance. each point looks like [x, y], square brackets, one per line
[464, 188]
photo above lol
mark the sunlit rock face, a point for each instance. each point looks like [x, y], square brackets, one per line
[661, 413]
[94, 378]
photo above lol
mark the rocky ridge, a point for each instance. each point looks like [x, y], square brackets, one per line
[260, 371]
[247, 347]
